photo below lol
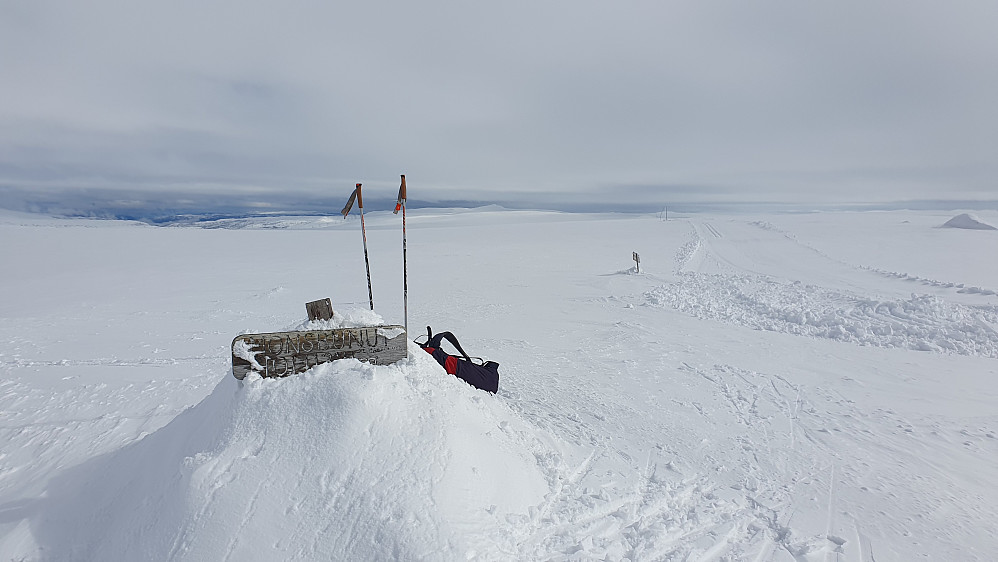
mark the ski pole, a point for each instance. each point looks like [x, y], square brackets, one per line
[405, 271]
[367, 263]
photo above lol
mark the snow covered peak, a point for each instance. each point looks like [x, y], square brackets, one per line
[967, 221]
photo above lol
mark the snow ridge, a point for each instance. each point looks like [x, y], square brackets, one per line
[925, 322]
[960, 287]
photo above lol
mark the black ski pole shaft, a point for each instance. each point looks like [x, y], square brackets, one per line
[400, 204]
[367, 262]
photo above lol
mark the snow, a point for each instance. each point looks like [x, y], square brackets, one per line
[243, 350]
[968, 221]
[253, 467]
[922, 322]
[809, 387]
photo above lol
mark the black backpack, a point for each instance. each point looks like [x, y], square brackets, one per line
[483, 375]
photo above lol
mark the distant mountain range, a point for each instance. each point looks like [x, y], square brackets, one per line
[164, 207]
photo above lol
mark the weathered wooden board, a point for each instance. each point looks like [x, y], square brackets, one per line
[319, 310]
[280, 354]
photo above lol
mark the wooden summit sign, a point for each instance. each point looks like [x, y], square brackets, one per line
[280, 354]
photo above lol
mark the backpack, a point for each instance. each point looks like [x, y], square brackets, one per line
[483, 375]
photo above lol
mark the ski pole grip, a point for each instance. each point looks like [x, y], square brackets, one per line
[360, 197]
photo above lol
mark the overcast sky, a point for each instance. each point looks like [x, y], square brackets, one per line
[699, 101]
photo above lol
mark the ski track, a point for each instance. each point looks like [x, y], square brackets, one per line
[839, 437]
[961, 288]
[920, 322]
[614, 506]
[609, 504]
[823, 421]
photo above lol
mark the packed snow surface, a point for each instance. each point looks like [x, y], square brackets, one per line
[814, 387]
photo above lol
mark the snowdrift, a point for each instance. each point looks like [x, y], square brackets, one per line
[919, 322]
[967, 221]
[348, 461]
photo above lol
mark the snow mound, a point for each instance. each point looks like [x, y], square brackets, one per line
[351, 318]
[969, 222]
[922, 322]
[348, 461]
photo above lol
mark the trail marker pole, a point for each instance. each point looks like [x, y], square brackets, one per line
[367, 263]
[637, 261]
[405, 271]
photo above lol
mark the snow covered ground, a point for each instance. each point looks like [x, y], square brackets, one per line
[811, 387]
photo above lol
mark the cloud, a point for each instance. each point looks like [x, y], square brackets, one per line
[761, 101]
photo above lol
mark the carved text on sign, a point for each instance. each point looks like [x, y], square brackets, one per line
[281, 354]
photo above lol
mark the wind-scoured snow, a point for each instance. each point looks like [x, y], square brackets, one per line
[787, 388]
